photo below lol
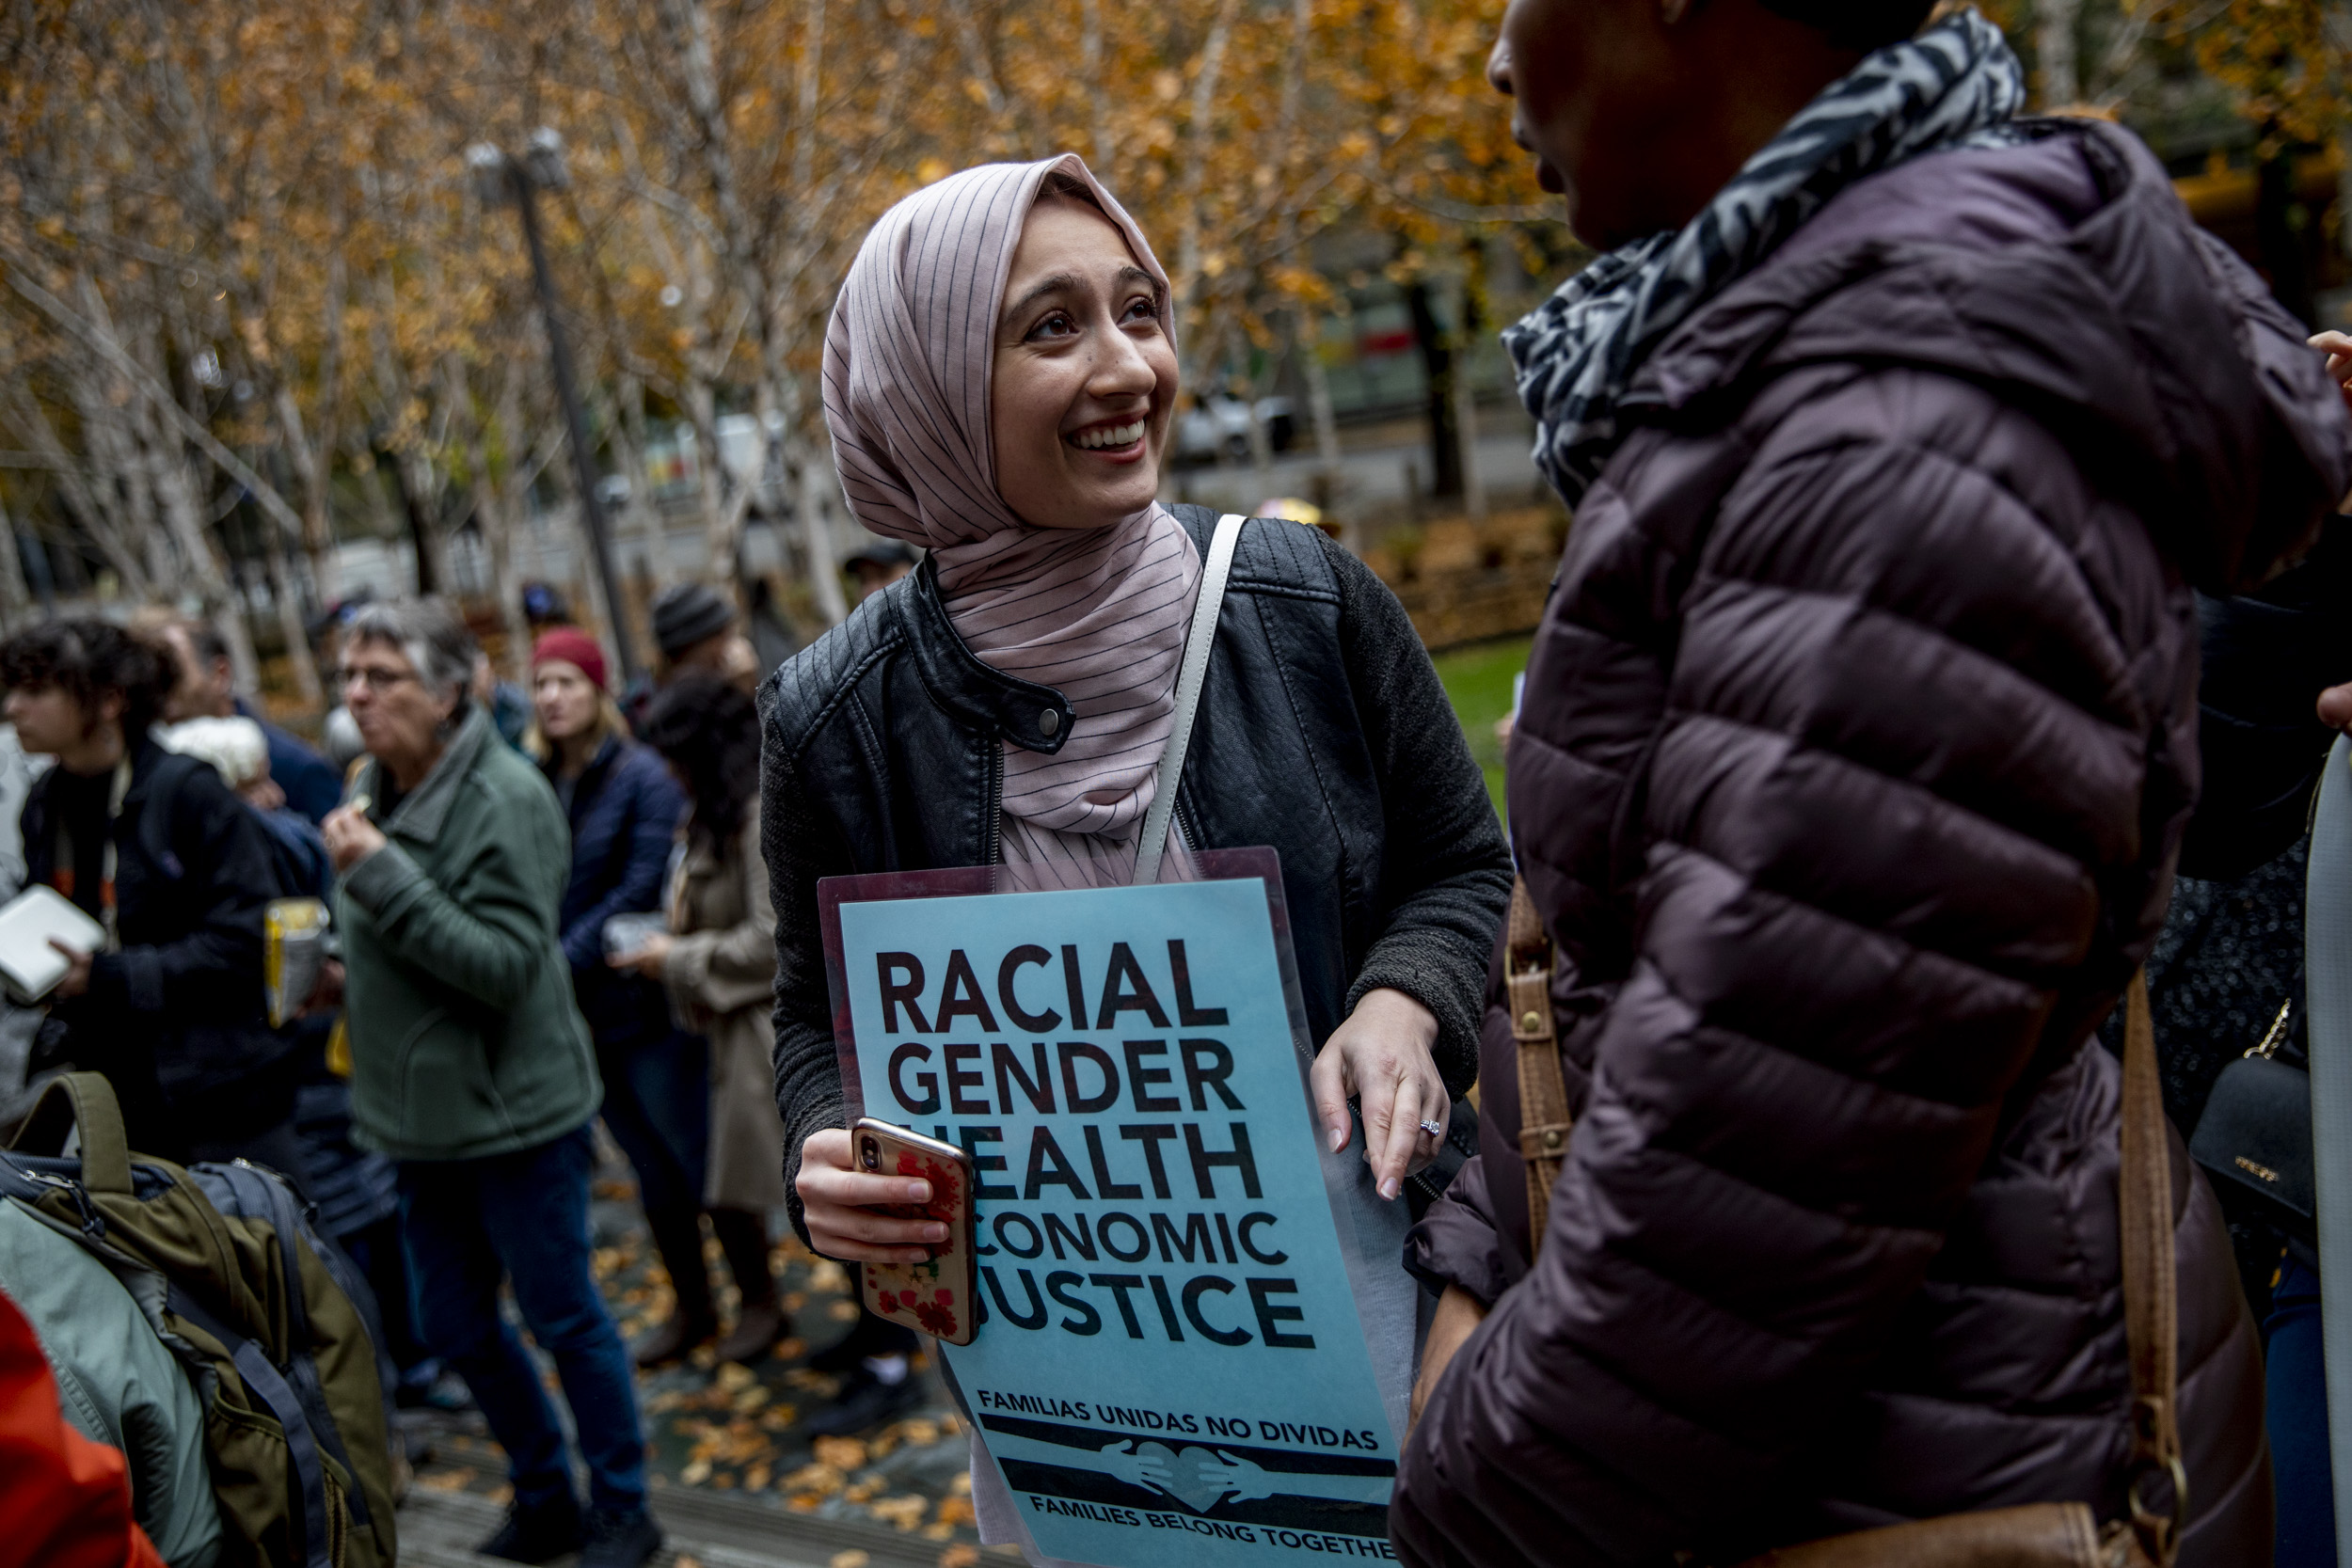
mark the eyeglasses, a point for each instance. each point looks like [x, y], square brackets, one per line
[379, 680]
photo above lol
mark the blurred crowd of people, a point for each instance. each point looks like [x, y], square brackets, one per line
[548, 903]
[1924, 459]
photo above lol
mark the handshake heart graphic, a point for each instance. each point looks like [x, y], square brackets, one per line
[1197, 1478]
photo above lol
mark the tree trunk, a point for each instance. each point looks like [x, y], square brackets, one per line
[1436, 363]
[2343, 189]
[16, 600]
[291, 623]
[640, 523]
[496, 522]
[2056, 24]
[816, 508]
[1319, 411]
[702, 410]
[223, 605]
[1465, 396]
[408, 479]
[498, 503]
[318, 535]
[2279, 239]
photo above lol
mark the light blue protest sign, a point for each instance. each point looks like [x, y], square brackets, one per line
[1169, 1369]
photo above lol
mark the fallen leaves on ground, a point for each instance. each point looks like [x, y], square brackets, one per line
[721, 1427]
[901, 1513]
[842, 1454]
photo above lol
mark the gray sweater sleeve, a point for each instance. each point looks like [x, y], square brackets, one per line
[1445, 869]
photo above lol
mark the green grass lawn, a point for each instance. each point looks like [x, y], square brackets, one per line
[1478, 682]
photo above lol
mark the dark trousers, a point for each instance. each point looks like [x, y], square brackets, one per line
[524, 1216]
[657, 1104]
[377, 1249]
[2297, 1379]
[656, 1101]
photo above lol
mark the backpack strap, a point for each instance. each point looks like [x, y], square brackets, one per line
[255, 1189]
[307, 1519]
[86, 1102]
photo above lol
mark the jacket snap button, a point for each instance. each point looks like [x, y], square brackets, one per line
[1531, 1022]
[1551, 1139]
[1049, 721]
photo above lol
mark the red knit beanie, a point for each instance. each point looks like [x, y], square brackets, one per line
[573, 646]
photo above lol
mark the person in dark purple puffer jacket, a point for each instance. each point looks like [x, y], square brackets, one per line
[1857, 742]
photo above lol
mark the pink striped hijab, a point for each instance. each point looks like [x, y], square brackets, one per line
[1099, 614]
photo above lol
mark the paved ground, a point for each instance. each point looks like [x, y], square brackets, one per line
[732, 1470]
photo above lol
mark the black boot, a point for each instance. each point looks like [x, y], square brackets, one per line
[677, 1236]
[869, 1338]
[620, 1540]
[864, 1401]
[540, 1533]
[760, 1321]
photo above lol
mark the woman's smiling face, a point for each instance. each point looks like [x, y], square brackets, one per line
[1084, 373]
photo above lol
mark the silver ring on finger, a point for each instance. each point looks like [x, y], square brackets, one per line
[1434, 1128]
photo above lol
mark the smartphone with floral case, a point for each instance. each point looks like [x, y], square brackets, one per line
[935, 1296]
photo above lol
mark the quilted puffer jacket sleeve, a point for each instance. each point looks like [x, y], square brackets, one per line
[1909, 742]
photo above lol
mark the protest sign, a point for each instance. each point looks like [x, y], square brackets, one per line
[1170, 1368]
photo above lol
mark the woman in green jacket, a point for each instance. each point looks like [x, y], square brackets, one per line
[471, 1068]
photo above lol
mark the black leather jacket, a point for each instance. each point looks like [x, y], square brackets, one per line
[1323, 732]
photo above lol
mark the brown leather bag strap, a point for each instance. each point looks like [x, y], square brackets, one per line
[1544, 1120]
[2151, 1301]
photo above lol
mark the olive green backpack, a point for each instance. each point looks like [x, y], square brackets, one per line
[227, 1270]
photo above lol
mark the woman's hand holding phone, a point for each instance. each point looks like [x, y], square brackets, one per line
[837, 1203]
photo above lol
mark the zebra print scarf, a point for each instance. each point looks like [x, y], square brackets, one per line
[1956, 83]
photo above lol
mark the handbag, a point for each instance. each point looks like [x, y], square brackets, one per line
[2036, 1535]
[2256, 1132]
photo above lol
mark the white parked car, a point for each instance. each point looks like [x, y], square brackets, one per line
[1218, 426]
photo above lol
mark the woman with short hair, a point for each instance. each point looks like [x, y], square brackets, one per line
[471, 1069]
[154, 847]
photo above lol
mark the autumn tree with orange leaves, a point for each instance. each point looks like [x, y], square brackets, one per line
[250, 304]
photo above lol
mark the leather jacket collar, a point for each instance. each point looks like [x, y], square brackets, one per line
[974, 692]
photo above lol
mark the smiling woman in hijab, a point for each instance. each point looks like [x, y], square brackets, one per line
[1000, 377]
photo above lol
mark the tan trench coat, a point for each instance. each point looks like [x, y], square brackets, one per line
[721, 976]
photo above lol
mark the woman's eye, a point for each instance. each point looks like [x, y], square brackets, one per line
[1142, 307]
[1056, 325]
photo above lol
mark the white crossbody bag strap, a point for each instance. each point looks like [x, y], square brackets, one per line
[1190, 678]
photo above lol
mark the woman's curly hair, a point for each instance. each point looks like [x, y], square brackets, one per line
[708, 730]
[88, 657]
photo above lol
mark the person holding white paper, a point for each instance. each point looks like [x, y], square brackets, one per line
[999, 375]
[154, 847]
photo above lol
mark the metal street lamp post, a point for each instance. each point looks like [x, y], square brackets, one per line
[499, 178]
